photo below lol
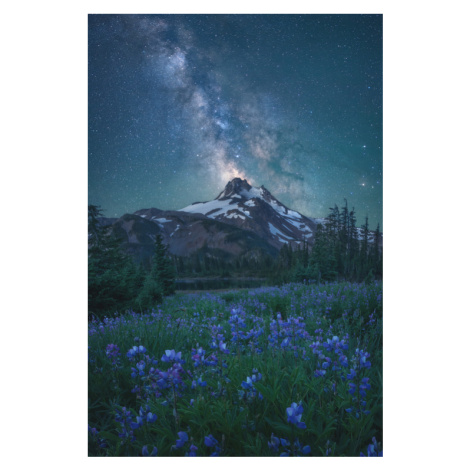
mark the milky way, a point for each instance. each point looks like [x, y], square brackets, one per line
[180, 104]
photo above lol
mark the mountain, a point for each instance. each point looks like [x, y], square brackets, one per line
[257, 210]
[242, 221]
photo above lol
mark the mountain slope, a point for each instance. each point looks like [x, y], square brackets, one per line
[185, 234]
[257, 210]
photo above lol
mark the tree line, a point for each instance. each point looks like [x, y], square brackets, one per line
[340, 252]
[115, 281]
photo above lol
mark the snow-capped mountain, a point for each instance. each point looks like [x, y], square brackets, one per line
[242, 220]
[257, 210]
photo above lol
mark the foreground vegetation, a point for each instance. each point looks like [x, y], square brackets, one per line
[288, 371]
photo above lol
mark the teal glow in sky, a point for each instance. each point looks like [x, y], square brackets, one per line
[180, 104]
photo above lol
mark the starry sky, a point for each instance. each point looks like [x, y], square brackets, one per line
[180, 104]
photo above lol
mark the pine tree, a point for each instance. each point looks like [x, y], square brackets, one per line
[110, 271]
[150, 294]
[364, 255]
[377, 252]
[333, 223]
[365, 240]
[160, 280]
[322, 263]
[162, 268]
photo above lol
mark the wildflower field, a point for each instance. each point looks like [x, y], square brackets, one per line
[280, 371]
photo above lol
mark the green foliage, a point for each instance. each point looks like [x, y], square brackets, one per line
[159, 281]
[150, 295]
[111, 274]
[337, 253]
[115, 283]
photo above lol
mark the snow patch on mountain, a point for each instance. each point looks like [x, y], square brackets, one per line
[216, 208]
[277, 233]
[252, 193]
[235, 215]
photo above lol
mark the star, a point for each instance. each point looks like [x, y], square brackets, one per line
[164, 95]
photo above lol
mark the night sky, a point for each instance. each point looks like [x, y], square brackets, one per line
[181, 104]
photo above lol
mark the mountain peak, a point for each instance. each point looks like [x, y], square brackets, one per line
[237, 186]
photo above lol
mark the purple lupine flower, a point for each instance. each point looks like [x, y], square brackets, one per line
[364, 386]
[171, 356]
[373, 449]
[135, 350]
[95, 436]
[210, 441]
[112, 351]
[201, 383]
[139, 423]
[145, 452]
[183, 438]
[343, 360]
[198, 356]
[294, 414]
[248, 384]
[256, 374]
[273, 444]
[192, 451]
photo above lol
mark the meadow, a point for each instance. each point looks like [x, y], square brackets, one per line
[276, 371]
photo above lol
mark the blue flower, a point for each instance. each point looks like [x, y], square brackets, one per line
[201, 383]
[171, 356]
[139, 423]
[306, 450]
[210, 441]
[352, 388]
[248, 384]
[273, 444]
[183, 438]
[145, 452]
[192, 451]
[135, 350]
[373, 450]
[294, 414]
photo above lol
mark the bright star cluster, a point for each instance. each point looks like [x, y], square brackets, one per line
[181, 104]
